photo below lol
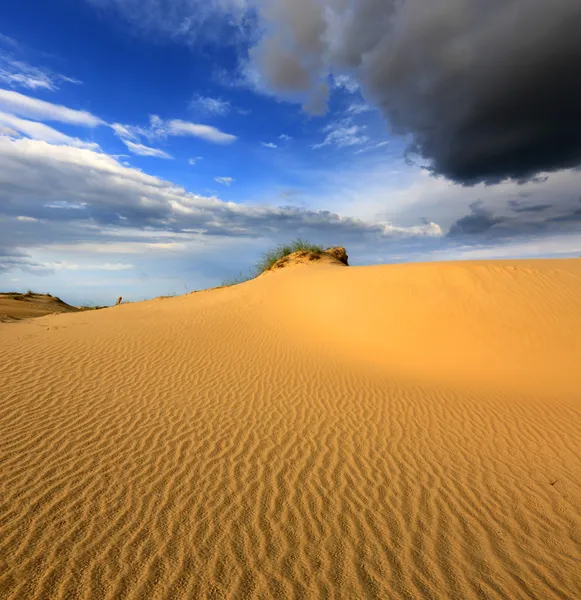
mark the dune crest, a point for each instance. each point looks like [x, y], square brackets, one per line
[401, 431]
[15, 306]
[330, 256]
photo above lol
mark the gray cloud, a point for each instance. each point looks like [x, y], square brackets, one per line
[519, 207]
[480, 220]
[71, 195]
[488, 90]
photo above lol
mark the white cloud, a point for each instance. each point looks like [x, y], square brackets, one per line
[269, 145]
[39, 131]
[343, 133]
[372, 147]
[124, 210]
[32, 108]
[160, 129]
[357, 108]
[17, 73]
[8, 41]
[284, 137]
[142, 150]
[346, 82]
[211, 106]
[225, 21]
[67, 266]
[194, 161]
[8, 131]
[27, 219]
[205, 132]
[125, 131]
[224, 180]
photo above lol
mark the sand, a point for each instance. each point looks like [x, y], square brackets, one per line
[14, 306]
[403, 431]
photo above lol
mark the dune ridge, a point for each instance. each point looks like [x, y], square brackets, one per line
[404, 431]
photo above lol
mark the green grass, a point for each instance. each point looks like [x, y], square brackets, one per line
[269, 259]
[298, 245]
[239, 279]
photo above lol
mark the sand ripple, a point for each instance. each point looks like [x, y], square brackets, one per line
[260, 442]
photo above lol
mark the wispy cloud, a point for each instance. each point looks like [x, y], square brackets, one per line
[269, 145]
[210, 106]
[160, 129]
[205, 132]
[372, 147]
[343, 133]
[142, 150]
[18, 73]
[13, 126]
[228, 181]
[68, 266]
[346, 82]
[32, 108]
[357, 108]
[6, 40]
[284, 137]
[226, 21]
[194, 161]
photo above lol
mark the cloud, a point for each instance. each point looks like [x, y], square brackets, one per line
[205, 132]
[486, 93]
[480, 220]
[32, 108]
[284, 137]
[223, 21]
[357, 108]
[227, 181]
[6, 40]
[343, 133]
[194, 161]
[160, 129]
[269, 145]
[67, 266]
[518, 207]
[346, 82]
[142, 150]
[107, 202]
[18, 73]
[210, 106]
[12, 126]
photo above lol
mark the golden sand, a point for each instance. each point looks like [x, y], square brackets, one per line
[405, 431]
[24, 306]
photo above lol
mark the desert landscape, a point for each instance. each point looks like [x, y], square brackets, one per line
[321, 431]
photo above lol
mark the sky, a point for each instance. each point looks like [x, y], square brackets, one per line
[154, 147]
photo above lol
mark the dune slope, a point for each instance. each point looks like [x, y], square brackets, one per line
[15, 306]
[406, 431]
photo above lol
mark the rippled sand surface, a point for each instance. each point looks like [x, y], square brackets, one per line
[405, 431]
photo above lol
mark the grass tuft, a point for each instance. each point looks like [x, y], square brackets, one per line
[298, 245]
[270, 258]
[239, 279]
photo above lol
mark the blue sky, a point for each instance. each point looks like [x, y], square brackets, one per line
[142, 156]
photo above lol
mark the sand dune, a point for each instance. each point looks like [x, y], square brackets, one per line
[14, 306]
[406, 431]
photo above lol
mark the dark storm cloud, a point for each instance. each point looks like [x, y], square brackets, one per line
[513, 218]
[488, 89]
[518, 207]
[480, 220]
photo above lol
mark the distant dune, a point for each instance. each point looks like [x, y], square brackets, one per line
[387, 432]
[24, 306]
